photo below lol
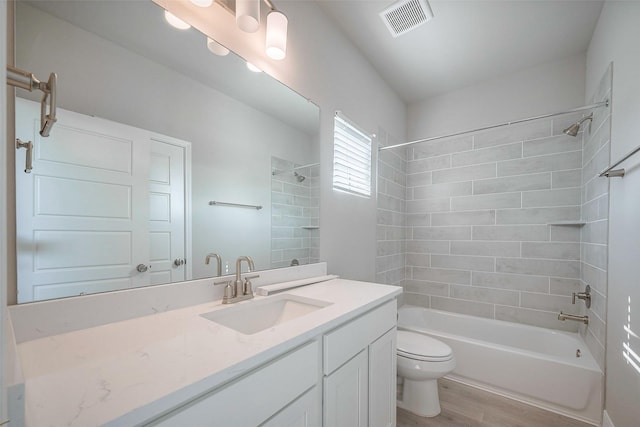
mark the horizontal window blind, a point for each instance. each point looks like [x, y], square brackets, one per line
[351, 158]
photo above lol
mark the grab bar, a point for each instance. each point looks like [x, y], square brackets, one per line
[609, 173]
[26, 80]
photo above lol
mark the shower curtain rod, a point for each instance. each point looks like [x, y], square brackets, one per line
[544, 116]
[279, 171]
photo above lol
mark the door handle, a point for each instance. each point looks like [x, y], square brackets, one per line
[142, 268]
[179, 261]
[29, 156]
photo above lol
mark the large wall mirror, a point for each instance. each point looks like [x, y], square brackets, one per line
[164, 155]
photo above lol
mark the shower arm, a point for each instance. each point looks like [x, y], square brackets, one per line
[601, 104]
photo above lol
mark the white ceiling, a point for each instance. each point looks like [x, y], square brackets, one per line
[467, 41]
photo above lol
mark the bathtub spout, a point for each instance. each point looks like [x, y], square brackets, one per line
[583, 319]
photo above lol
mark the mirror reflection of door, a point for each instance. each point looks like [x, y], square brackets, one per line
[167, 219]
[103, 202]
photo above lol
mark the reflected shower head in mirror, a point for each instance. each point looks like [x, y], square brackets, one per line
[299, 177]
[575, 128]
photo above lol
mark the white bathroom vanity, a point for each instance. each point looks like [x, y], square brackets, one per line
[325, 355]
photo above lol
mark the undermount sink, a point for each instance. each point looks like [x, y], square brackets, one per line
[254, 316]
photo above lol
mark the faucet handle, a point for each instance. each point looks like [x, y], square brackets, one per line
[586, 296]
[246, 287]
[228, 290]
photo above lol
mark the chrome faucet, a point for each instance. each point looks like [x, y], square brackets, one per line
[236, 290]
[218, 260]
[238, 282]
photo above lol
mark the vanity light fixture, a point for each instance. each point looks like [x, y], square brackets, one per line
[216, 48]
[247, 15]
[175, 21]
[248, 20]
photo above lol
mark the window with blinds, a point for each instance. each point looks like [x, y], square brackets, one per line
[351, 158]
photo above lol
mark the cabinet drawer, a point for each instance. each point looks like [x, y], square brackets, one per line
[343, 343]
[254, 398]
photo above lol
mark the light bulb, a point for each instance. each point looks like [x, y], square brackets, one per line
[202, 3]
[253, 68]
[217, 48]
[276, 45]
[248, 15]
[175, 21]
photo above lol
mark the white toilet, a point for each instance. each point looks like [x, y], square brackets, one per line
[421, 361]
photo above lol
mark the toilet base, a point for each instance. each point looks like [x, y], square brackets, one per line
[420, 397]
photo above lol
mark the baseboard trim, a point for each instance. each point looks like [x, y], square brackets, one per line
[606, 421]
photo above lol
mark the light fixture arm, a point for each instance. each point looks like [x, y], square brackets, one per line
[269, 4]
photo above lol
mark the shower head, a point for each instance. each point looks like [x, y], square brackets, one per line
[574, 128]
[299, 177]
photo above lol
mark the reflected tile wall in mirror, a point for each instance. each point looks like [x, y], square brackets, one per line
[295, 211]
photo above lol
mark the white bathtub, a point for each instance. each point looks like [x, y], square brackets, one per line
[534, 365]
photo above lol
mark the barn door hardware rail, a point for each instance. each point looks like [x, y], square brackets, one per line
[26, 80]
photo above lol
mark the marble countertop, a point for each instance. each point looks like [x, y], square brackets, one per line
[123, 373]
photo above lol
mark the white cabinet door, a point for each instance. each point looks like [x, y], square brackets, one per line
[304, 412]
[346, 394]
[382, 381]
[254, 398]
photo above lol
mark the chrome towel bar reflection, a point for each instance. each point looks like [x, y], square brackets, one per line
[236, 205]
[611, 173]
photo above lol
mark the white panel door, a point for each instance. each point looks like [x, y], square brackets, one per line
[82, 214]
[346, 394]
[382, 381]
[167, 210]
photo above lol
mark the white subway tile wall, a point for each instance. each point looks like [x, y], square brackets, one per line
[479, 224]
[295, 212]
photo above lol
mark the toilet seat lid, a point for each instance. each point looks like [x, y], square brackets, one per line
[422, 347]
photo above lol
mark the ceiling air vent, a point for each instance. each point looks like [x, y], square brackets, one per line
[405, 15]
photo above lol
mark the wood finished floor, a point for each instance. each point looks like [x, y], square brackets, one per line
[464, 406]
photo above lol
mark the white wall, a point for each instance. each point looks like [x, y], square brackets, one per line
[333, 73]
[324, 66]
[616, 40]
[547, 88]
